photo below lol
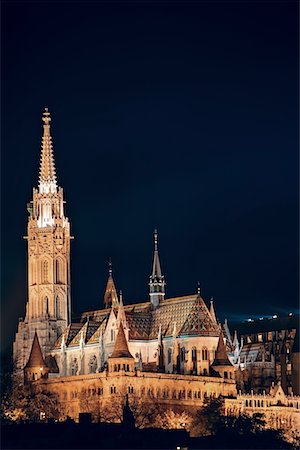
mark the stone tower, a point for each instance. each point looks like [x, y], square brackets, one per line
[48, 308]
[157, 280]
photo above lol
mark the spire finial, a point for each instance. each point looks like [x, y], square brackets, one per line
[155, 234]
[198, 288]
[110, 267]
[46, 117]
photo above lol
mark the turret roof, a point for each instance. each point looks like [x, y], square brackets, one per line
[36, 357]
[221, 358]
[121, 348]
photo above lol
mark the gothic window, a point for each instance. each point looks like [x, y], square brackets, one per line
[204, 354]
[112, 335]
[45, 272]
[182, 354]
[113, 389]
[57, 271]
[74, 367]
[225, 374]
[93, 364]
[194, 354]
[169, 355]
[46, 306]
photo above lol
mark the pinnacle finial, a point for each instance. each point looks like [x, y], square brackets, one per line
[46, 117]
[110, 267]
[198, 288]
[155, 238]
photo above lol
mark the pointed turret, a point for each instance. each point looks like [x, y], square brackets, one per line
[36, 367]
[121, 347]
[221, 363]
[47, 175]
[221, 358]
[157, 282]
[110, 296]
[212, 310]
[121, 358]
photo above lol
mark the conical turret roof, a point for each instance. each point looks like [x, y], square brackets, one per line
[221, 358]
[36, 357]
[121, 347]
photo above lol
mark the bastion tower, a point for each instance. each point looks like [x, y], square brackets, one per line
[48, 308]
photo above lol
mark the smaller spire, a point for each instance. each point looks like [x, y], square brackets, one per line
[157, 282]
[110, 295]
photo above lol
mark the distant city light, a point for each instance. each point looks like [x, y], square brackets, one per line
[250, 320]
[290, 314]
[274, 316]
[261, 318]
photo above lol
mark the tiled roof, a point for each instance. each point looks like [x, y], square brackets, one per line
[68, 334]
[96, 336]
[189, 314]
[86, 332]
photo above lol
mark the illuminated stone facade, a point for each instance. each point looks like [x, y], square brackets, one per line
[171, 351]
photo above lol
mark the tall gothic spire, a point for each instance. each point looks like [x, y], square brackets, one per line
[110, 296]
[157, 282]
[47, 176]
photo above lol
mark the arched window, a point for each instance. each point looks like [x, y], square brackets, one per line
[182, 354]
[57, 271]
[45, 272]
[225, 374]
[194, 354]
[93, 364]
[57, 306]
[46, 306]
[204, 354]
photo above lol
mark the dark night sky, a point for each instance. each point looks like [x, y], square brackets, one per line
[180, 116]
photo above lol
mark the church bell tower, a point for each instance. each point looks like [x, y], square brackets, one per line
[48, 308]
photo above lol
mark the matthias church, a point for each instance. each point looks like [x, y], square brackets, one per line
[171, 350]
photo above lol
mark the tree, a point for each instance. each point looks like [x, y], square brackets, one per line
[209, 418]
[174, 420]
[27, 403]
